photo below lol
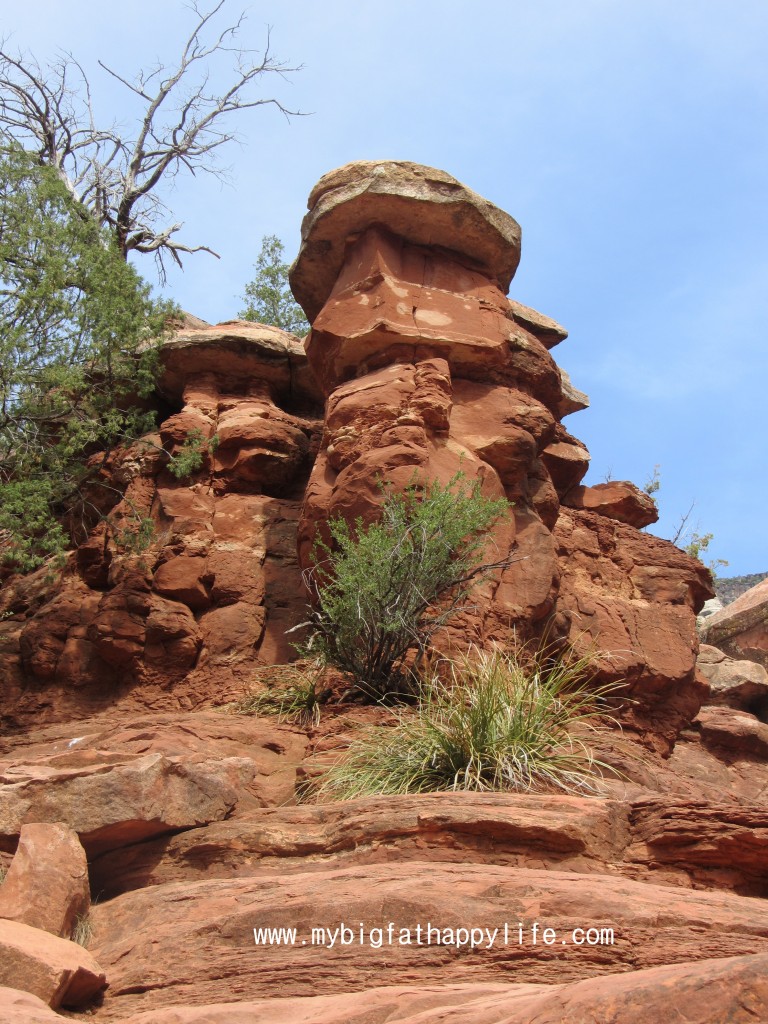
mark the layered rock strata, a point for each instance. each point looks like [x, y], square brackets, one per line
[218, 585]
[430, 371]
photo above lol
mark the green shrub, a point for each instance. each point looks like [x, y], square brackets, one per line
[190, 457]
[494, 725]
[385, 589]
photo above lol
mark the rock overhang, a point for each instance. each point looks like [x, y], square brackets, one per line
[423, 205]
[235, 353]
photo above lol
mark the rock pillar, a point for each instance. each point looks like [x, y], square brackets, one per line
[430, 369]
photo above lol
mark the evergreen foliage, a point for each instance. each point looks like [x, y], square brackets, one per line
[76, 359]
[268, 296]
[384, 589]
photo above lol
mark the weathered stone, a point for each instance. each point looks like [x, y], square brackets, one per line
[567, 460]
[59, 972]
[547, 330]
[423, 205]
[217, 919]
[731, 990]
[572, 400]
[567, 832]
[738, 684]
[618, 499]
[741, 628]
[396, 304]
[17, 1007]
[735, 732]
[633, 598]
[47, 883]
[718, 844]
[113, 800]
[233, 352]
[184, 579]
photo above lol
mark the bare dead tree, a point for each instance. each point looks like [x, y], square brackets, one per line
[184, 122]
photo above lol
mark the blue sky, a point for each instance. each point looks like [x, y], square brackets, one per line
[628, 137]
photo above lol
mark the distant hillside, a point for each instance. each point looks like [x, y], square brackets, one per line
[732, 587]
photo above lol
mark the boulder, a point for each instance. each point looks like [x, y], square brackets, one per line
[618, 499]
[737, 684]
[47, 883]
[17, 1007]
[741, 628]
[114, 800]
[58, 971]
[735, 732]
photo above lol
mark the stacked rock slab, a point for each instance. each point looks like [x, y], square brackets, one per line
[430, 370]
[218, 585]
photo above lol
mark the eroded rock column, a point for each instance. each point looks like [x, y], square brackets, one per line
[430, 370]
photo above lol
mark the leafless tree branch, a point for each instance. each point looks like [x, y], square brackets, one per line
[183, 123]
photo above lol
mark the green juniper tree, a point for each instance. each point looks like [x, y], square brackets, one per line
[76, 324]
[268, 296]
[77, 196]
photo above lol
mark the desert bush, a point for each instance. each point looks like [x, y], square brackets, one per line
[83, 931]
[494, 724]
[296, 699]
[382, 590]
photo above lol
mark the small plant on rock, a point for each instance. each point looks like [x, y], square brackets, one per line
[495, 724]
[83, 931]
[384, 589]
[297, 700]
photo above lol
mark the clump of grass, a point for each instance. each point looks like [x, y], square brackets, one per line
[3, 873]
[296, 701]
[495, 724]
[83, 931]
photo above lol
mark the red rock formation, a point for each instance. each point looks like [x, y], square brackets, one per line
[430, 370]
[19, 1007]
[651, 925]
[47, 883]
[188, 816]
[732, 990]
[219, 584]
[741, 628]
[55, 970]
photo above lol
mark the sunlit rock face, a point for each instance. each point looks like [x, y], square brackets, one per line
[430, 370]
[418, 367]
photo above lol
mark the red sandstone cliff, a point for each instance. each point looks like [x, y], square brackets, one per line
[110, 678]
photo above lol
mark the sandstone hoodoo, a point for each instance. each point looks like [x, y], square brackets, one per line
[430, 370]
[175, 842]
[427, 370]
